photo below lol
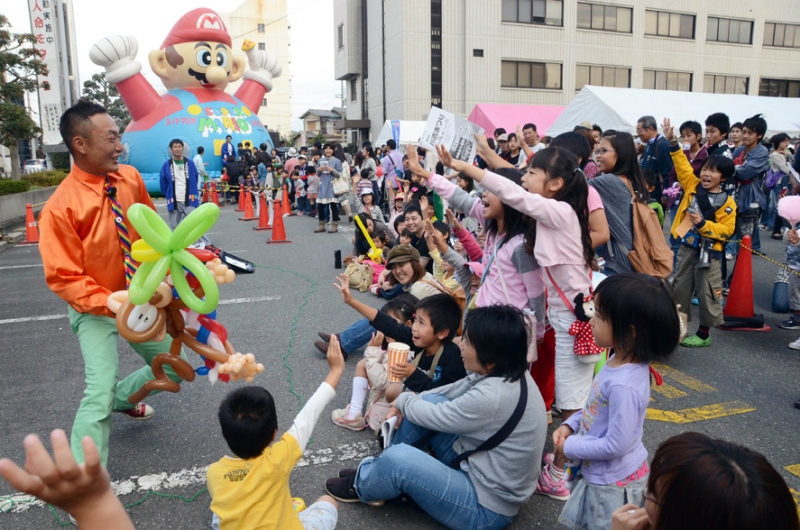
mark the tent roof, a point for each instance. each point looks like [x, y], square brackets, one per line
[410, 132]
[491, 116]
[621, 108]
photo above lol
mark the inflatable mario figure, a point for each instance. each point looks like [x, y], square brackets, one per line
[196, 64]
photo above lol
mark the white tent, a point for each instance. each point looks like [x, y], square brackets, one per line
[621, 108]
[410, 131]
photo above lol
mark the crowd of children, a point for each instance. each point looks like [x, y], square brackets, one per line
[517, 289]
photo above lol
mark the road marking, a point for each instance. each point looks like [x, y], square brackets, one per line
[667, 390]
[221, 302]
[21, 266]
[196, 476]
[682, 378]
[796, 496]
[31, 319]
[794, 470]
[706, 412]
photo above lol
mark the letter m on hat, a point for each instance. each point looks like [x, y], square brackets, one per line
[210, 21]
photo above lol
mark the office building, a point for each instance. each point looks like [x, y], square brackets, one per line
[399, 57]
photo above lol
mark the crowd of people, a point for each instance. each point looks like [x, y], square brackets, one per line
[525, 286]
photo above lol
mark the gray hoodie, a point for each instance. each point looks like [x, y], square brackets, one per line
[505, 477]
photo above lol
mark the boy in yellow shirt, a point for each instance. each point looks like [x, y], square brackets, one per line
[251, 490]
[706, 218]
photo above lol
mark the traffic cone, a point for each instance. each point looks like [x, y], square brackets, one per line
[214, 195]
[31, 227]
[278, 231]
[240, 206]
[263, 214]
[249, 214]
[287, 208]
[205, 192]
[739, 313]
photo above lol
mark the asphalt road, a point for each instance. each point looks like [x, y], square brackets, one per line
[740, 389]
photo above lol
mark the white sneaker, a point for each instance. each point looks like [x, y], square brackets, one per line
[795, 345]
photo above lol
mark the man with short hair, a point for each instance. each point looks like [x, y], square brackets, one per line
[656, 155]
[415, 223]
[85, 245]
[597, 133]
[393, 168]
[202, 174]
[717, 127]
[178, 181]
[531, 137]
[752, 162]
[502, 146]
[227, 149]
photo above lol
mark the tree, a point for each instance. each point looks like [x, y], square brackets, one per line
[99, 90]
[20, 64]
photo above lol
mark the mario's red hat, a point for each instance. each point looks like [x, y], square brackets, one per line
[201, 24]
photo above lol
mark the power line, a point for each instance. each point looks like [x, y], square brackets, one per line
[277, 19]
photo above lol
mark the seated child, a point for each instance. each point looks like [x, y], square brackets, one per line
[406, 236]
[372, 371]
[437, 360]
[251, 489]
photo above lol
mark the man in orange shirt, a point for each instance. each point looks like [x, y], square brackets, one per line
[85, 248]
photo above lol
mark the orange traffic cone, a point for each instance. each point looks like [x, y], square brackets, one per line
[31, 227]
[278, 231]
[287, 208]
[214, 195]
[240, 207]
[263, 213]
[205, 192]
[249, 214]
[739, 313]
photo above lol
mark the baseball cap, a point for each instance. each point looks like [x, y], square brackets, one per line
[476, 267]
[366, 191]
[502, 138]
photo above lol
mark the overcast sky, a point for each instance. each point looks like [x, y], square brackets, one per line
[313, 84]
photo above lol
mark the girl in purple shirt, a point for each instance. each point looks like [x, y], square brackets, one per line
[604, 441]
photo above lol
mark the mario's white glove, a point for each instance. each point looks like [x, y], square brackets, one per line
[263, 65]
[116, 54]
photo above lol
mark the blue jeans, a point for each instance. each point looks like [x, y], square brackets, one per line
[356, 336]
[445, 494]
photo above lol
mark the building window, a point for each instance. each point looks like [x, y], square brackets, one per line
[661, 80]
[436, 53]
[264, 102]
[546, 12]
[340, 35]
[520, 74]
[725, 84]
[729, 30]
[783, 35]
[477, 53]
[602, 76]
[262, 46]
[262, 28]
[663, 24]
[779, 88]
[604, 18]
[353, 89]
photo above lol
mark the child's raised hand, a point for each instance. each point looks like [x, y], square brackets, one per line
[482, 146]
[342, 284]
[377, 340]
[335, 357]
[428, 225]
[668, 130]
[82, 490]
[447, 160]
[458, 247]
[413, 162]
[561, 434]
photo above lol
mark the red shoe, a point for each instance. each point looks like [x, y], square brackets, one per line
[139, 413]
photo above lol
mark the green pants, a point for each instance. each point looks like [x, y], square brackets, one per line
[104, 393]
[706, 283]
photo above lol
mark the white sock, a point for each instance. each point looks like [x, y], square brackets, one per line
[360, 390]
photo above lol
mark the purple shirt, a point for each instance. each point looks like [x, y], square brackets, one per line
[608, 433]
[392, 161]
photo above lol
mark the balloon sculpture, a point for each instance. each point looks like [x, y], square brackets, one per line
[173, 292]
[374, 253]
[195, 63]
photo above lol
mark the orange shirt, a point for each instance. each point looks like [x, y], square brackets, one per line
[78, 241]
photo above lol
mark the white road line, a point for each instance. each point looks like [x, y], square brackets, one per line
[221, 302]
[21, 266]
[196, 476]
[31, 319]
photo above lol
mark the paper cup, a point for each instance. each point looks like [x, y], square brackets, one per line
[398, 354]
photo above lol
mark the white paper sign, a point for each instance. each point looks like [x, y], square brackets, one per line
[454, 132]
[44, 25]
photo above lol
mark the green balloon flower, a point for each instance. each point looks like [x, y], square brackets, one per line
[161, 250]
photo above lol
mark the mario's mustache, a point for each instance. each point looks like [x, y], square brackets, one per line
[200, 76]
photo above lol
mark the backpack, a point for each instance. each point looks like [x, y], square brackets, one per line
[650, 254]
